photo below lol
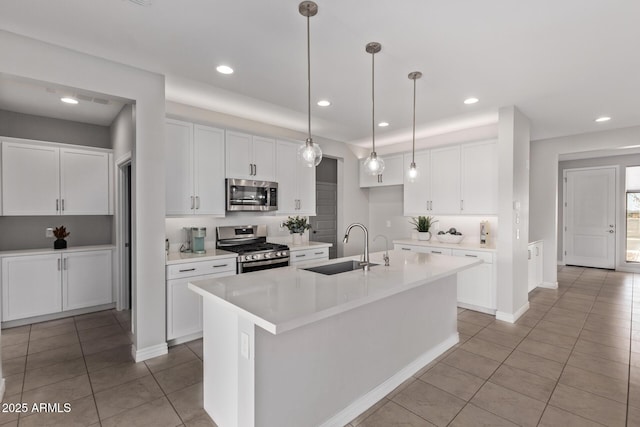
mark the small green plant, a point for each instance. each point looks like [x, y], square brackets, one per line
[60, 232]
[423, 223]
[297, 225]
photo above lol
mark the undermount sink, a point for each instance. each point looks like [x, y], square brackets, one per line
[337, 268]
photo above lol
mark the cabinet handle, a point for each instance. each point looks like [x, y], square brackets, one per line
[220, 265]
[57, 205]
[300, 256]
[192, 202]
[255, 169]
[58, 264]
[405, 249]
[436, 252]
[188, 269]
[461, 205]
[430, 205]
[63, 205]
[197, 202]
[318, 253]
[64, 264]
[471, 256]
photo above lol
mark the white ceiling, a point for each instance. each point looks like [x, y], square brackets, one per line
[563, 63]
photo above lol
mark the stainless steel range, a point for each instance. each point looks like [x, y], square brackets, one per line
[250, 243]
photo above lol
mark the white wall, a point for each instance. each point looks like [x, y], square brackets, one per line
[544, 183]
[353, 204]
[38, 60]
[513, 213]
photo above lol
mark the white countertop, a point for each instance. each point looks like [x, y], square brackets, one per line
[308, 245]
[433, 243]
[44, 251]
[282, 299]
[211, 254]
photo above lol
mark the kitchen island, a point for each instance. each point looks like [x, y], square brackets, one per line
[290, 347]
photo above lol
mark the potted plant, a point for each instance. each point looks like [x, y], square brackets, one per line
[60, 233]
[423, 224]
[297, 226]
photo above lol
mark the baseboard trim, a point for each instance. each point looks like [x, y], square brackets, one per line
[184, 339]
[511, 318]
[477, 308]
[548, 285]
[363, 403]
[149, 352]
[55, 316]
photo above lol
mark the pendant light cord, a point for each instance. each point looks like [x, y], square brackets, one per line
[309, 77]
[373, 102]
[413, 152]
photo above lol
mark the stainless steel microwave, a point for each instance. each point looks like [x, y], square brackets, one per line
[249, 195]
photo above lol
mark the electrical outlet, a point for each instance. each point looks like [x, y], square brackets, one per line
[48, 232]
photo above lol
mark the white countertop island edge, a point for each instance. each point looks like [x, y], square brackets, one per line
[401, 275]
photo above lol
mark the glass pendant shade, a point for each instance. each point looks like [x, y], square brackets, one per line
[412, 174]
[374, 165]
[310, 154]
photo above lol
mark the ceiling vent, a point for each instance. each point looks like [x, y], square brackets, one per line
[101, 101]
[142, 2]
[82, 97]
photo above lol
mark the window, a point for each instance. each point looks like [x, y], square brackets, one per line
[633, 214]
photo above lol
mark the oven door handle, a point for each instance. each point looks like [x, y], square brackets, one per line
[261, 263]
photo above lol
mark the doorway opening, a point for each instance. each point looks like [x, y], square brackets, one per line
[124, 233]
[632, 238]
[324, 226]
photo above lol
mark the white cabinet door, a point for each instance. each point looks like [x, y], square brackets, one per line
[480, 178]
[531, 266]
[445, 180]
[84, 182]
[208, 149]
[179, 168]
[184, 309]
[539, 254]
[30, 179]
[392, 174]
[31, 286]
[306, 180]
[286, 159]
[300, 256]
[417, 194]
[86, 279]
[475, 287]
[239, 155]
[264, 158]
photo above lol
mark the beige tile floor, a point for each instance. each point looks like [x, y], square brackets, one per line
[572, 360]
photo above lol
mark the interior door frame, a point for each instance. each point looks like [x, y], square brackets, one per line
[616, 212]
[123, 296]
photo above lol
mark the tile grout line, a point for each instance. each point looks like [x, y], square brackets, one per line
[84, 359]
[626, 413]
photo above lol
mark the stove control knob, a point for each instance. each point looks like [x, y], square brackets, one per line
[267, 255]
[249, 257]
[278, 253]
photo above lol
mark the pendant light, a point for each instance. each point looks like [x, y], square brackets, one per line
[413, 171]
[309, 154]
[374, 165]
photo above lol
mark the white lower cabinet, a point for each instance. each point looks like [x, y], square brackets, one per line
[477, 285]
[184, 307]
[535, 253]
[36, 285]
[304, 255]
[423, 249]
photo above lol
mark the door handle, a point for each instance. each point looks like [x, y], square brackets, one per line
[611, 231]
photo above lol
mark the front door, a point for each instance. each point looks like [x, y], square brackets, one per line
[589, 217]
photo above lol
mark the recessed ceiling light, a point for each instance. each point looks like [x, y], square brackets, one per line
[470, 101]
[69, 100]
[324, 103]
[603, 119]
[383, 124]
[224, 69]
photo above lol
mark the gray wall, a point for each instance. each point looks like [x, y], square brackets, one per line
[26, 126]
[29, 232]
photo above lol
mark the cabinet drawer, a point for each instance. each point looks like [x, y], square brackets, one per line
[308, 255]
[438, 251]
[487, 257]
[201, 268]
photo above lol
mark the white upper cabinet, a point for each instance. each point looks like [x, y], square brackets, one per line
[417, 194]
[445, 180]
[460, 179]
[296, 182]
[250, 157]
[392, 174]
[55, 179]
[195, 169]
[480, 178]
[84, 182]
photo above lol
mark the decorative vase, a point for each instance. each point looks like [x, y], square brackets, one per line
[59, 244]
[424, 235]
[297, 238]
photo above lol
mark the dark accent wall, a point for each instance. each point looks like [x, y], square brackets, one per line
[327, 171]
[27, 126]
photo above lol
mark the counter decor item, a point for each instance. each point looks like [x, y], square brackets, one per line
[423, 224]
[60, 233]
[450, 236]
[297, 226]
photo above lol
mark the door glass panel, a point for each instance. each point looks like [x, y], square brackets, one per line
[633, 213]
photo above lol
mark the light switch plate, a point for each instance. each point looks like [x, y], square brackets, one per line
[244, 345]
[48, 232]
